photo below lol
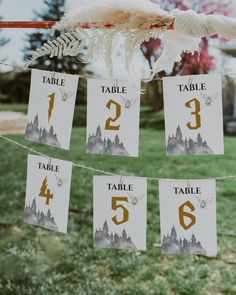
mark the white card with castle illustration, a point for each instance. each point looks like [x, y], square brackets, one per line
[193, 115]
[188, 217]
[51, 108]
[47, 193]
[119, 212]
[113, 109]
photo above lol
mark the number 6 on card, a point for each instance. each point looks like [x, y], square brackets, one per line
[188, 217]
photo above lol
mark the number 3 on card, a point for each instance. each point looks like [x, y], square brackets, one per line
[196, 113]
[115, 206]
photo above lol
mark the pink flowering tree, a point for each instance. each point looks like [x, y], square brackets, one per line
[198, 63]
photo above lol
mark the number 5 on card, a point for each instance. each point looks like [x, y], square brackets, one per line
[119, 212]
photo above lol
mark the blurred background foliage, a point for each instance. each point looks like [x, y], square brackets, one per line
[38, 261]
[14, 85]
[198, 63]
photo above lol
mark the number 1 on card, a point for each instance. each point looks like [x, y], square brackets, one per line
[51, 105]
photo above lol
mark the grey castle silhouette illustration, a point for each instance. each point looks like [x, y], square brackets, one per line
[102, 239]
[171, 245]
[35, 133]
[32, 216]
[97, 145]
[178, 146]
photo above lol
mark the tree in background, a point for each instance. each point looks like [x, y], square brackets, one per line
[15, 85]
[190, 64]
[3, 40]
[53, 11]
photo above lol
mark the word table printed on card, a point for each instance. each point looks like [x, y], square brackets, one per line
[193, 115]
[120, 205]
[51, 108]
[48, 193]
[188, 216]
[113, 109]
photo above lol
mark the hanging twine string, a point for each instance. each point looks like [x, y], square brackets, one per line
[99, 170]
[230, 234]
[80, 76]
[84, 166]
[48, 157]
[92, 76]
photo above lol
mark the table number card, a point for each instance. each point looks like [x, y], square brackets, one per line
[188, 217]
[120, 206]
[48, 193]
[113, 109]
[51, 108]
[193, 115]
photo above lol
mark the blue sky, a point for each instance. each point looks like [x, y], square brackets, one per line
[18, 10]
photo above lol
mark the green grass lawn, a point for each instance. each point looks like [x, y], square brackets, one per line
[38, 261]
[148, 118]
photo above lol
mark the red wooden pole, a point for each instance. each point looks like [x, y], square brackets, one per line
[26, 24]
[49, 24]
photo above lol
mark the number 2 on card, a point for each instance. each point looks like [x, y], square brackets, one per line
[109, 121]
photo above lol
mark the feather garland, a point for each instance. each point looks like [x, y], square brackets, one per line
[130, 21]
[67, 44]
